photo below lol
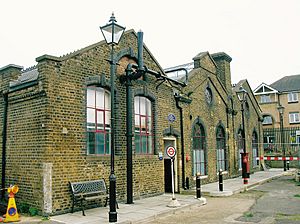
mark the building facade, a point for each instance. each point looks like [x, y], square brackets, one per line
[56, 124]
[281, 130]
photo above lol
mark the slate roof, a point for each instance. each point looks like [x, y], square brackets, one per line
[287, 83]
[26, 77]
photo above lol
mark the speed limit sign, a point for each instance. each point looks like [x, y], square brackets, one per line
[171, 151]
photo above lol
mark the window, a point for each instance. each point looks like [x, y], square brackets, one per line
[295, 137]
[265, 99]
[98, 121]
[255, 161]
[292, 97]
[143, 125]
[240, 144]
[267, 120]
[221, 149]
[294, 117]
[199, 150]
[269, 142]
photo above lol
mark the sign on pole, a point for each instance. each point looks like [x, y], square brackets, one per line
[171, 151]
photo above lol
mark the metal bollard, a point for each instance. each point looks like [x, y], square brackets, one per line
[288, 165]
[220, 180]
[198, 186]
[187, 183]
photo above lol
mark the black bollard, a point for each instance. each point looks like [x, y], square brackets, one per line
[288, 165]
[198, 186]
[187, 182]
[220, 180]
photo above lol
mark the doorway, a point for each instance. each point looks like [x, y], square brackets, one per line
[168, 166]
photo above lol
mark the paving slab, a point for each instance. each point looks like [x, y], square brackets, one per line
[148, 208]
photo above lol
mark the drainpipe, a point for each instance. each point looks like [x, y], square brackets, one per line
[5, 98]
[182, 141]
[129, 134]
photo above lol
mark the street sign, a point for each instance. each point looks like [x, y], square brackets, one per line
[171, 118]
[171, 151]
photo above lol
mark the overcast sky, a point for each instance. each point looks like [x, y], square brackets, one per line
[261, 36]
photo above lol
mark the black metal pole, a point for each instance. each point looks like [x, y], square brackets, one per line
[4, 134]
[198, 186]
[129, 134]
[113, 216]
[244, 163]
[182, 143]
[220, 180]
[282, 142]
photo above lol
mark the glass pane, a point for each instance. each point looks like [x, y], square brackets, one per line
[137, 143]
[137, 122]
[136, 105]
[142, 105]
[149, 125]
[150, 144]
[107, 100]
[107, 119]
[99, 98]
[91, 142]
[143, 124]
[148, 105]
[100, 143]
[100, 120]
[90, 97]
[107, 143]
[90, 119]
[202, 169]
[201, 156]
[144, 144]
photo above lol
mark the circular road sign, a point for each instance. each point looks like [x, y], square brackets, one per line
[171, 151]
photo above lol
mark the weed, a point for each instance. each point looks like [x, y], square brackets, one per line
[248, 214]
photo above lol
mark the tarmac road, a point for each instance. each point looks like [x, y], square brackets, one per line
[277, 201]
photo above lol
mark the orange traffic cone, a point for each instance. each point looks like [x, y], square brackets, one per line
[11, 212]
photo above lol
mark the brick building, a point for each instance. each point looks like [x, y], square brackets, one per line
[284, 93]
[56, 124]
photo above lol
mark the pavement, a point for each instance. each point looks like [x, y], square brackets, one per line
[145, 210]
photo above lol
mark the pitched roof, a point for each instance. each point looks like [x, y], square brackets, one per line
[27, 77]
[287, 83]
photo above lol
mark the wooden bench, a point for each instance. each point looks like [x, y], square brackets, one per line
[88, 191]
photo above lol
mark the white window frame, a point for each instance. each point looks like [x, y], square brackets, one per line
[294, 117]
[265, 99]
[292, 97]
[267, 121]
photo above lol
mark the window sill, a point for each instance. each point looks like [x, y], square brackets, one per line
[291, 123]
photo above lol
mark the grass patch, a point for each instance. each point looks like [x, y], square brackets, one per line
[288, 217]
[248, 214]
[297, 195]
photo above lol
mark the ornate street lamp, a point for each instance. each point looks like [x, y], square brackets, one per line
[112, 33]
[242, 95]
[280, 109]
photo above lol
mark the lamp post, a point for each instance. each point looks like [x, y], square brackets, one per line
[281, 110]
[242, 94]
[112, 33]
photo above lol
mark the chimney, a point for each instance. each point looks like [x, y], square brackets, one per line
[9, 73]
[223, 71]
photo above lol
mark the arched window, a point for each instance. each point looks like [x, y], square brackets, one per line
[240, 146]
[98, 120]
[221, 149]
[255, 154]
[199, 150]
[143, 129]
